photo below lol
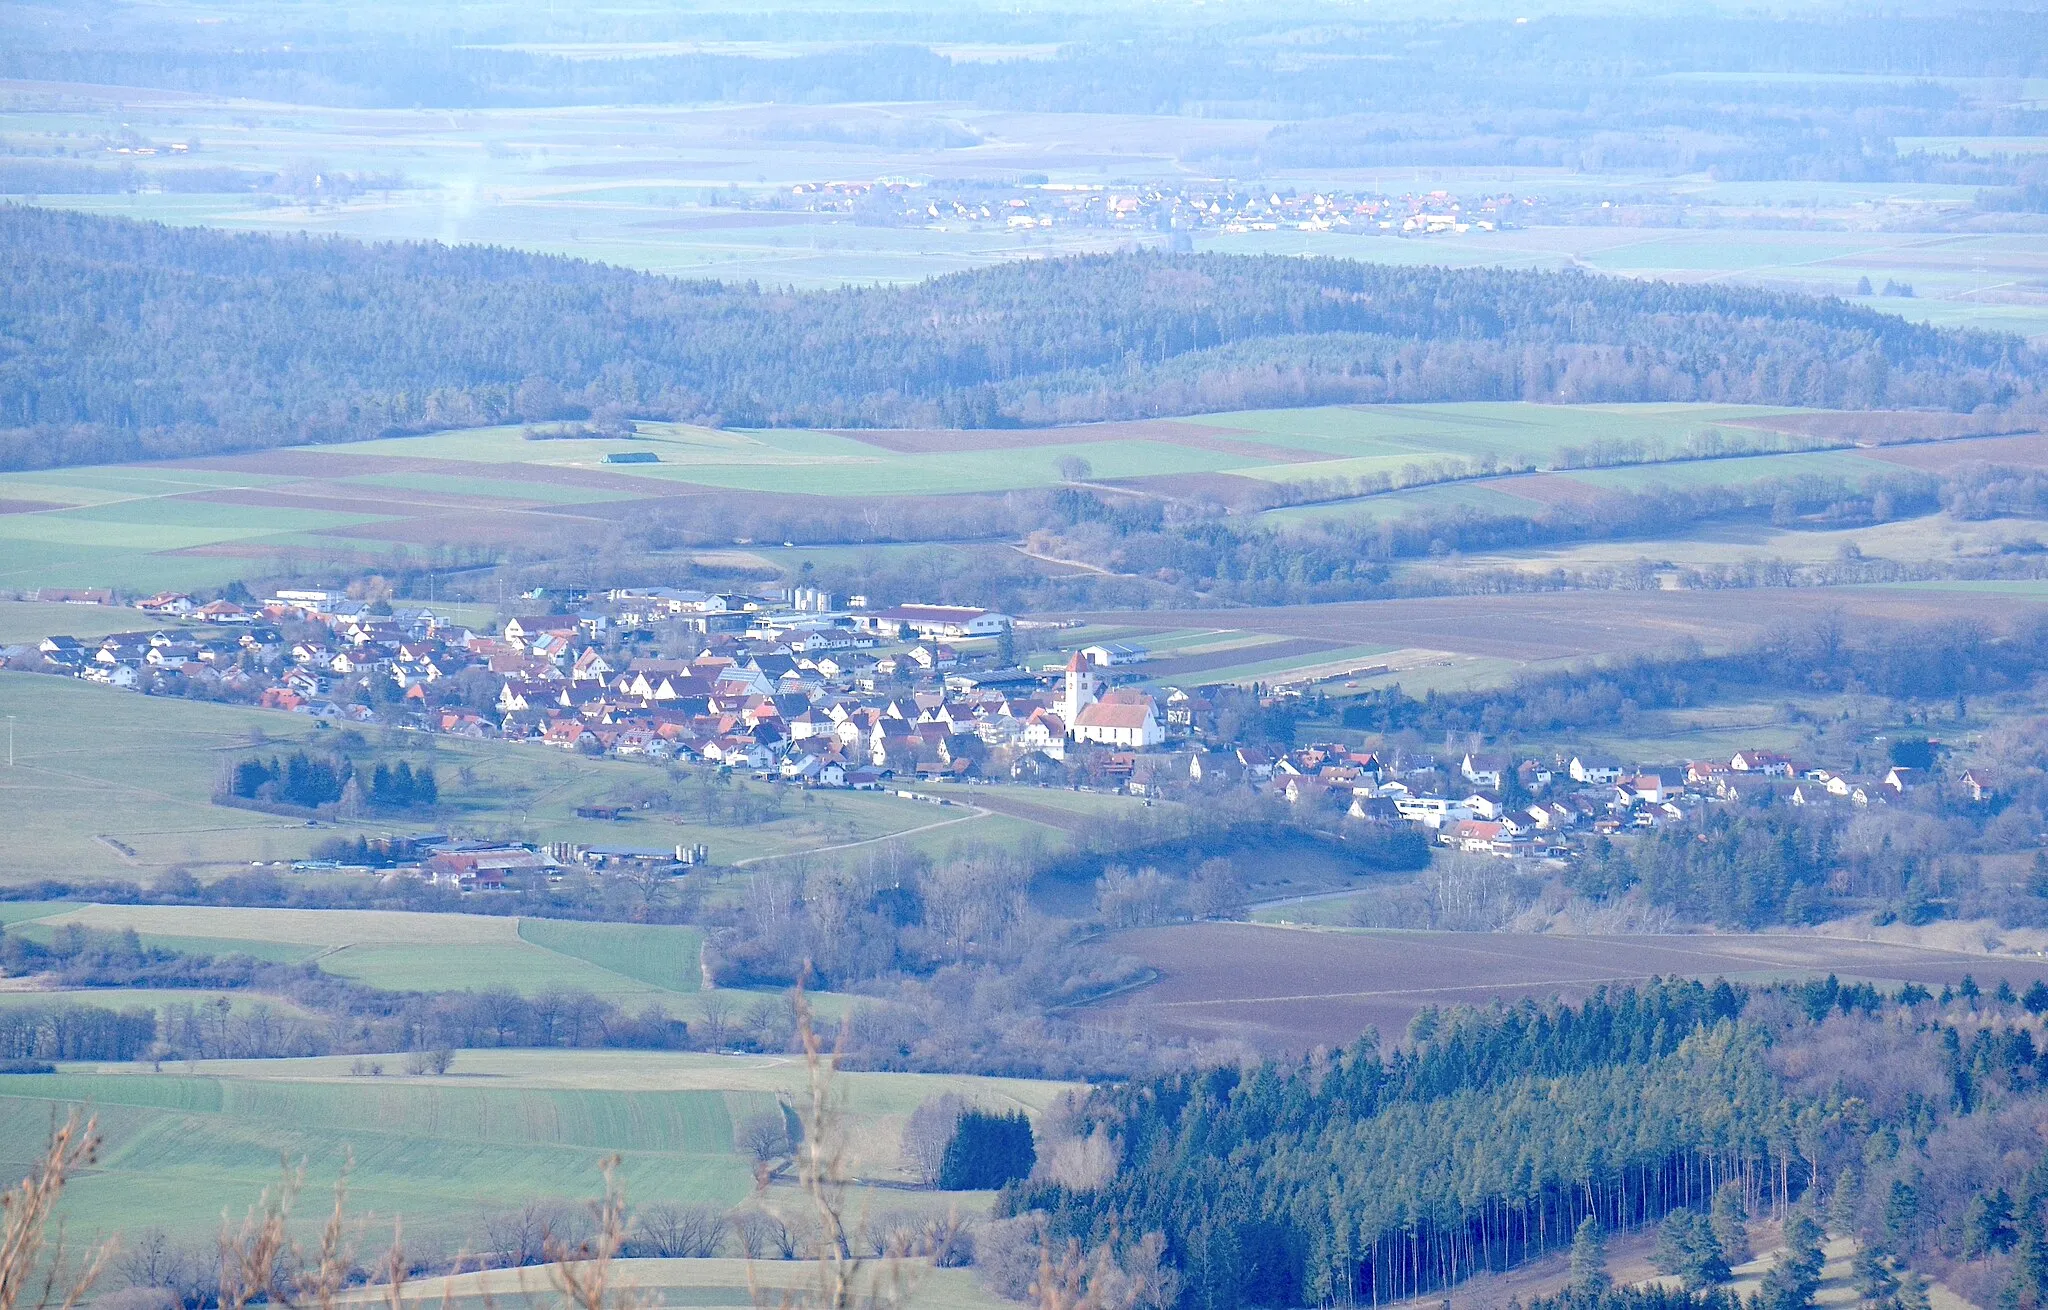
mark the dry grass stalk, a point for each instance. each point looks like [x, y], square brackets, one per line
[31, 1249]
[583, 1275]
[841, 1279]
[249, 1259]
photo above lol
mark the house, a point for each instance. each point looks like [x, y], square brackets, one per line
[933, 621]
[523, 631]
[1474, 836]
[171, 604]
[1484, 807]
[1108, 654]
[1373, 809]
[223, 611]
[1204, 767]
[1587, 769]
[1430, 811]
[1658, 785]
[1974, 783]
[1765, 762]
[1902, 779]
[1484, 770]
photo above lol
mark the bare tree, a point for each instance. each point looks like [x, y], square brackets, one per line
[682, 1232]
[517, 1238]
[716, 1010]
[765, 1137]
[928, 1133]
[757, 1231]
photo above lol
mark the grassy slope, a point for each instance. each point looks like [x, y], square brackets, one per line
[94, 763]
[400, 951]
[501, 1127]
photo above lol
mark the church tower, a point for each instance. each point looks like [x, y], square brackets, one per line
[1082, 689]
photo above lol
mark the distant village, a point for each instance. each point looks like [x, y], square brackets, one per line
[1224, 208]
[791, 686]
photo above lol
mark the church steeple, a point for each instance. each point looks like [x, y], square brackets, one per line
[1082, 689]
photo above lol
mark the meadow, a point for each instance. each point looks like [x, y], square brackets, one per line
[628, 963]
[439, 1151]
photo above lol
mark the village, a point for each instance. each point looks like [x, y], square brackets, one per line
[1226, 208]
[790, 686]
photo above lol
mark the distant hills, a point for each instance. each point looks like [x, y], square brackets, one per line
[121, 339]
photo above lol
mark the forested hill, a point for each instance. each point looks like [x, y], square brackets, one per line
[121, 339]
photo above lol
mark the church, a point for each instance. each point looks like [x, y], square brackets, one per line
[1128, 720]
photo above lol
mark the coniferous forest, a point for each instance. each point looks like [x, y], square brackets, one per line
[1368, 1175]
[121, 340]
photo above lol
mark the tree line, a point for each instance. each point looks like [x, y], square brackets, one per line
[248, 341]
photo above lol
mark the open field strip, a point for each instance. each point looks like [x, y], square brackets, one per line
[718, 1282]
[150, 998]
[402, 951]
[500, 1128]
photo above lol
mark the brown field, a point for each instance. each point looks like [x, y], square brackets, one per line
[2028, 448]
[939, 441]
[1883, 425]
[1181, 666]
[1231, 490]
[1550, 489]
[1291, 988]
[1575, 625]
[26, 506]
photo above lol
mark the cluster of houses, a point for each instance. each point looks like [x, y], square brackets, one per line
[1225, 208]
[781, 684]
[789, 685]
[1492, 804]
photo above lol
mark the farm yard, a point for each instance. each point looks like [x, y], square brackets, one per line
[1286, 989]
[440, 1152]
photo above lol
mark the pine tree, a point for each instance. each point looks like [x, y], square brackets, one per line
[1792, 1282]
[1731, 1222]
[1589, 1258]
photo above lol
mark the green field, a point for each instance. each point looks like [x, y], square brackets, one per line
[500, 1128]
[150, 998]
[121, 786]
[400, 951]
